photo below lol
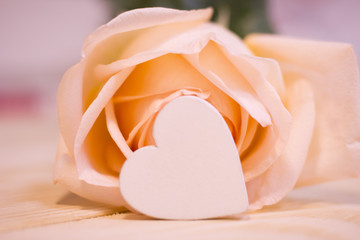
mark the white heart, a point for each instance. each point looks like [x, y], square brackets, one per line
[194, 172]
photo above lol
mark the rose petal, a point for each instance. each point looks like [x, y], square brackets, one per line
[86, 171]
[240, 94]
[114, 130]
[65, 173]
[70, 104]
[143, 18]
[93, 152]
[245, 117]
[114, 157]
[280, 117]
[260, 154]
[271, 186]
[146, 137]
[187, 42]
[332, 71]
[249, 134]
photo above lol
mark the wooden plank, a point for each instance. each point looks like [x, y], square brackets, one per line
[307, 213]
[28, 197]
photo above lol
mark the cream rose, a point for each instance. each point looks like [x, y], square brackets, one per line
[292, 105]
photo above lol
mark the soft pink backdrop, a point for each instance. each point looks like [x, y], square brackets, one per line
[39, 40]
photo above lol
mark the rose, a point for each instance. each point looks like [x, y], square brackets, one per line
[292, 105]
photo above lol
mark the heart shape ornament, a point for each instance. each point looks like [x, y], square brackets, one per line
[193, 172]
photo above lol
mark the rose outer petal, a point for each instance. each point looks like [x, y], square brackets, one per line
[69, 104]
[86, 171]
[143, 18]
[271, 186]
[66, 173]
[332, 71]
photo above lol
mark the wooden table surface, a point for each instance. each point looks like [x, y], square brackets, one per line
[32, 207]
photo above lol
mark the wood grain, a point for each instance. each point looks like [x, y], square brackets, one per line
[28, 196]
[32, 207]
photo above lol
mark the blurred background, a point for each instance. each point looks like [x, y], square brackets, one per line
[41, 39]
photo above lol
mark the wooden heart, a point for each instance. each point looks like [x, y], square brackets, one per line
[193, 172]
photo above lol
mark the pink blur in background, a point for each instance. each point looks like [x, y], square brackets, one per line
[40, 40]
